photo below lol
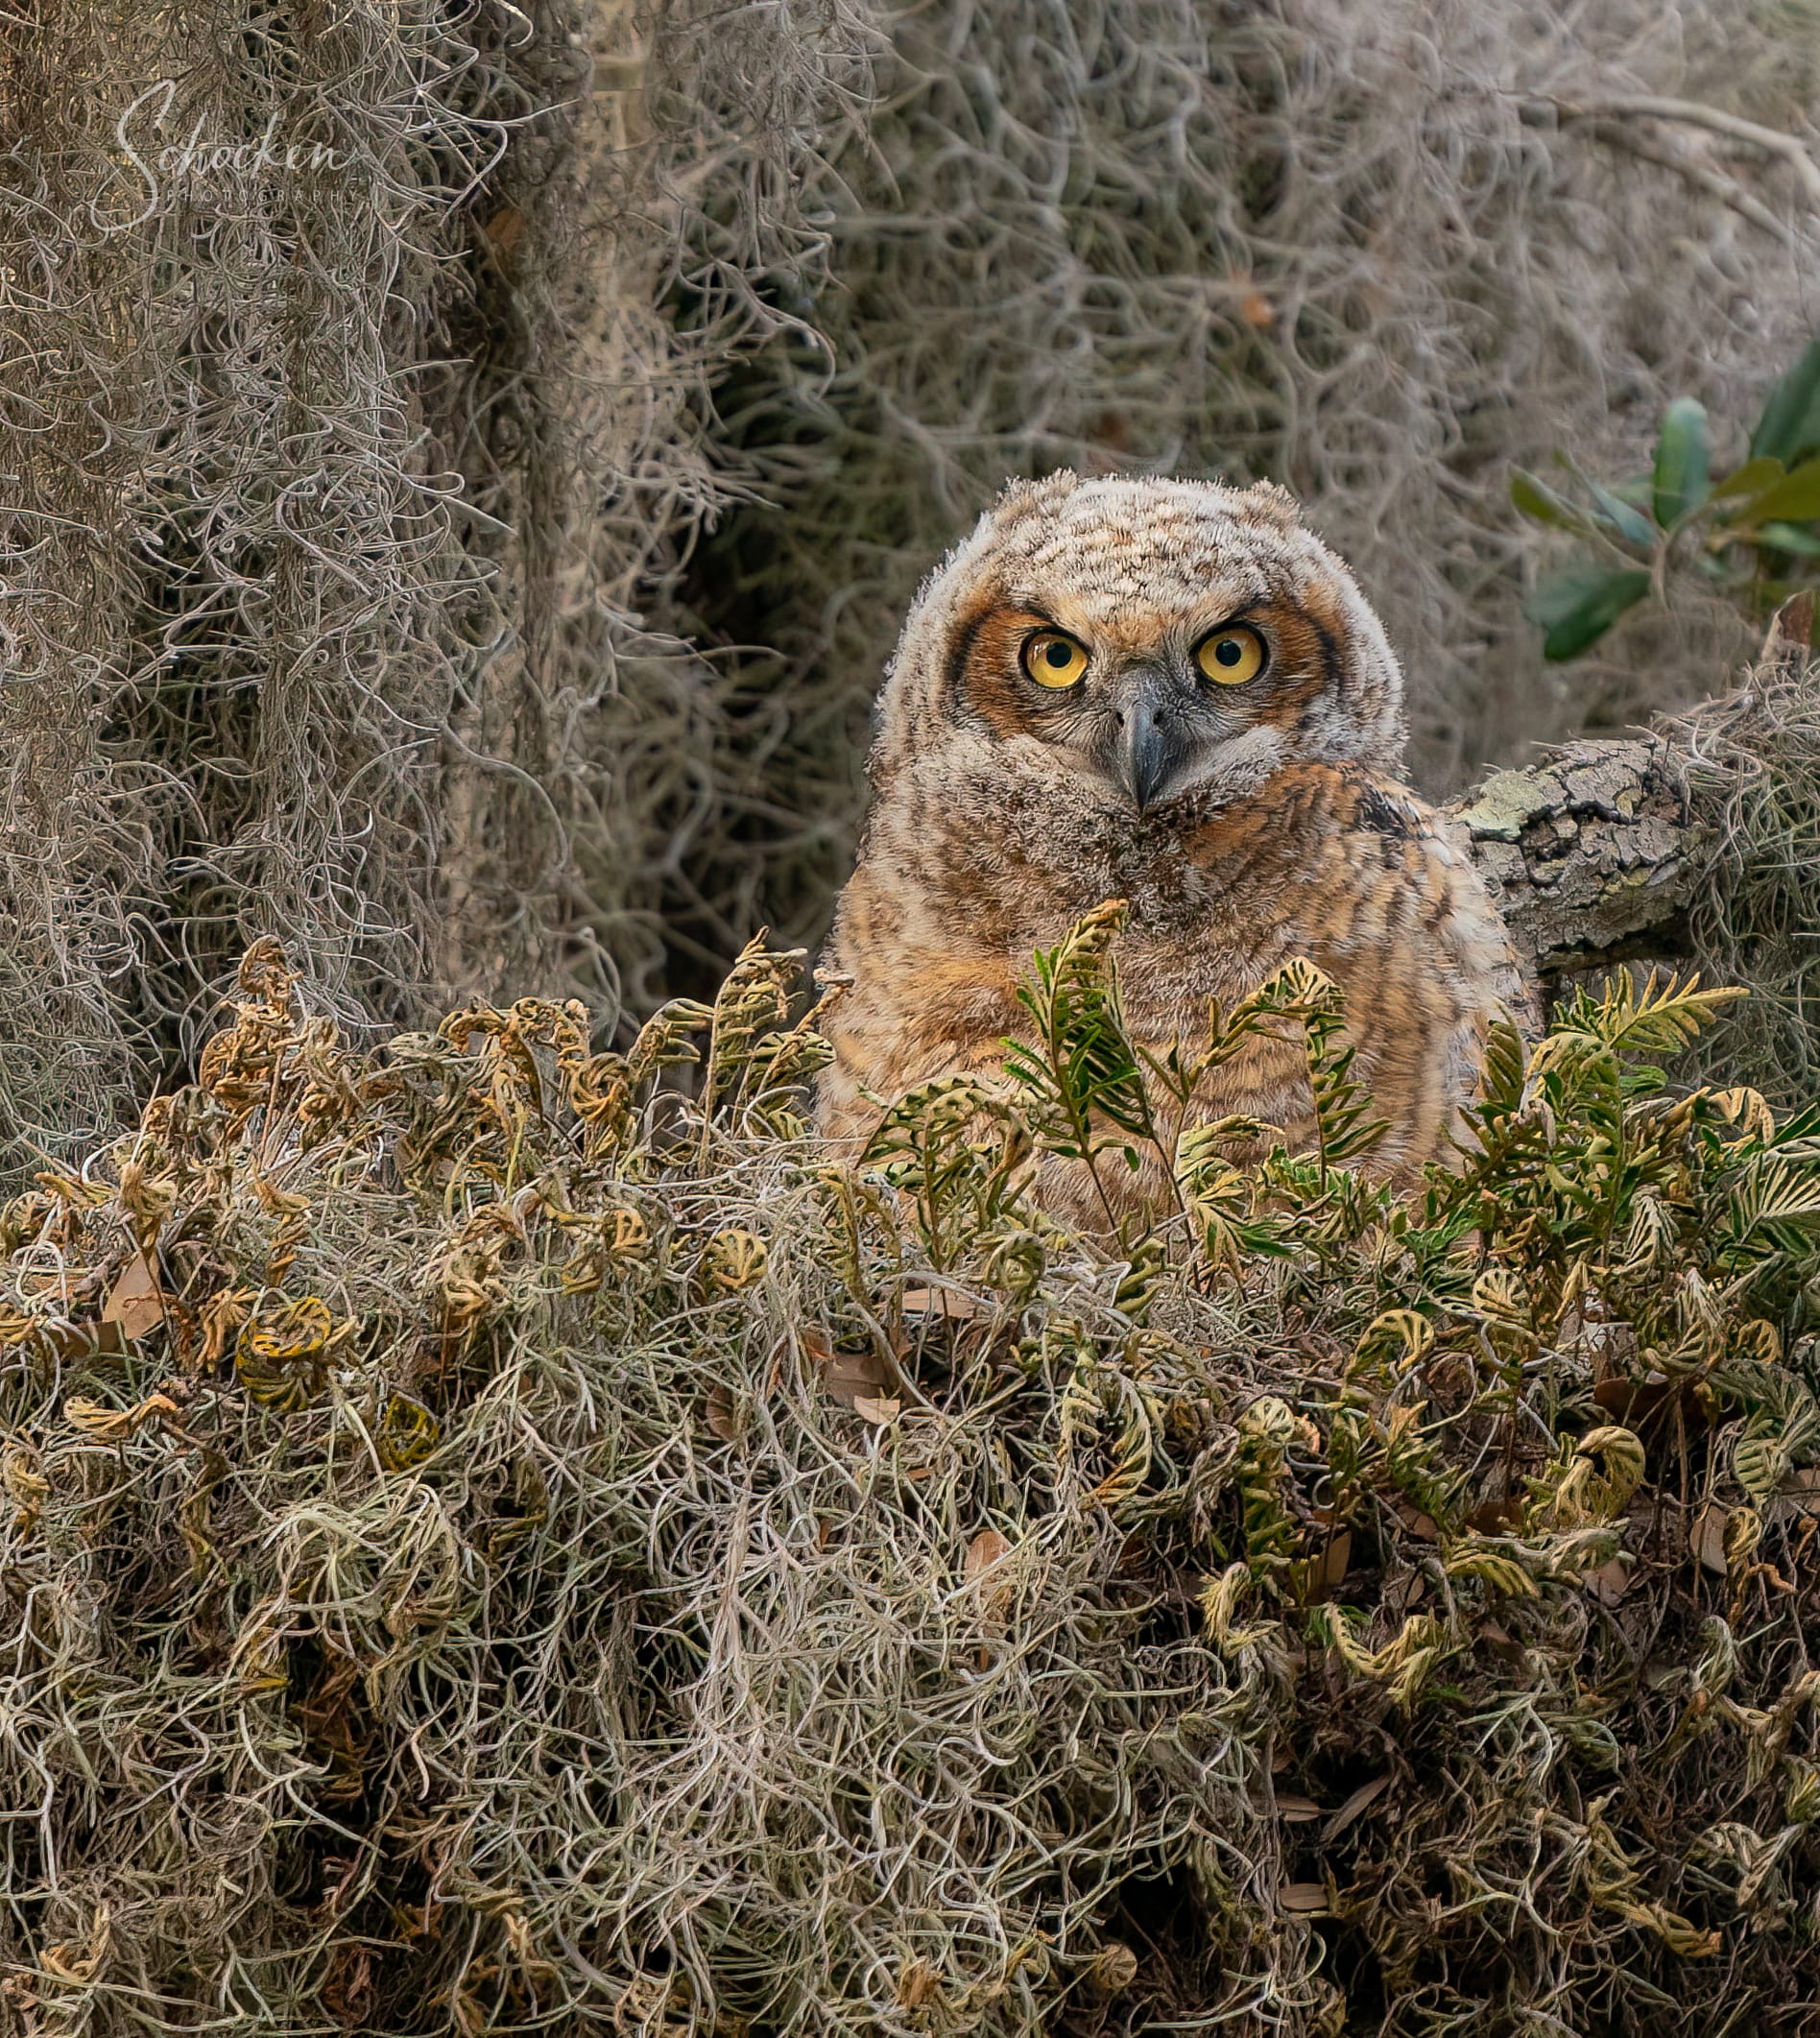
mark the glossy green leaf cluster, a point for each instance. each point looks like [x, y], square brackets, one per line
[1753, 532]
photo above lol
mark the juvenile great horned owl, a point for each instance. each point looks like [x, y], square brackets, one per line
[1172, 693]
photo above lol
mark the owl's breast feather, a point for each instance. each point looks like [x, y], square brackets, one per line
[1323, 861]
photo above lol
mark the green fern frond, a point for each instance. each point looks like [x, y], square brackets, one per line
[1501, 1085]
[1080, 1074]
[1660, 1017]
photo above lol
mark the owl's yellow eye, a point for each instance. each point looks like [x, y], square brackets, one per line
[1053, 660]
[1231, 656]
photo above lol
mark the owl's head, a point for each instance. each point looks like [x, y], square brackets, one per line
[1141, 642]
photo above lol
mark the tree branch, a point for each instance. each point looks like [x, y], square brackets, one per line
[1592, 856]
[1729, 192]
[1595, 854]
[1692, 112]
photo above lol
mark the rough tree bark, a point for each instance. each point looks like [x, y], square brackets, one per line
[1595, 854]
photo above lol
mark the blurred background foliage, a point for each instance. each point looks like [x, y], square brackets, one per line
[473, 561]
[1753, 531]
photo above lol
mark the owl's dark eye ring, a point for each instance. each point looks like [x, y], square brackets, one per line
[1231, 656]
[1054, 659]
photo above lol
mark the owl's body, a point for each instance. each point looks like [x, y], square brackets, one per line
[1217, 749]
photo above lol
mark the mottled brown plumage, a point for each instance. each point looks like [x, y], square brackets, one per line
[1245, 824]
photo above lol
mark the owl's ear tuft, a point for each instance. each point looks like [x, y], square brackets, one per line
[1272, 500]
[1033, 498]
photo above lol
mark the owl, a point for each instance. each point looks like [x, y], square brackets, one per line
[1169, 692]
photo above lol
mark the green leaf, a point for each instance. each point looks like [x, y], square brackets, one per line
[1575, 609]
[1683, 462]
[1081, 1066]
[1630, 523]
[1624, 518]
[1790, 423]
[1761, 1464]
[1539, 503]
[1792, 499]
[1791, 537]
[1751, 479]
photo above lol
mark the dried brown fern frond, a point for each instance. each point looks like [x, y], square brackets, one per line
[478, 1563]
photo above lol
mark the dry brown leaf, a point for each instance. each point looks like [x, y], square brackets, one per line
[1609, 1582]
[877, 1412]
[846, 1376]
[1404, 1590]
[1707, 1537]
[1632, 1401]
[722, 1418]
[1794, 625]
[1305, 1897]
[1492, 1516]
[504, 231]
[1366, 1795]
[136, 1300]
[86, 1341]
[917, 1984]
[983, 1552]
[1502, 1641]
[1313, 1577]
[1803, 1488]
[940, 1302]
[1338, 1560]
[1296, 1810]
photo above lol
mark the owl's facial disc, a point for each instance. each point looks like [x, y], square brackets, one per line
[1170, 720]
[1153, 741]
[1163, 732]
[1146, 706]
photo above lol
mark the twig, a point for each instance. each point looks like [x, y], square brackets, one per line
[1689, 113]
[1727, 190]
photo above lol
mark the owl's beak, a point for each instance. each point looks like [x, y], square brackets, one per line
[1151, 745]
